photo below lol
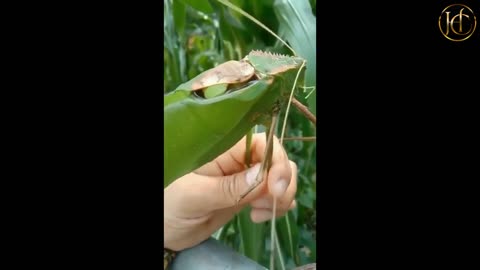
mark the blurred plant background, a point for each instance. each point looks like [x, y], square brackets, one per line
[199, 35]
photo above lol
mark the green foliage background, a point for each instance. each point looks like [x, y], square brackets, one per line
[200, 34]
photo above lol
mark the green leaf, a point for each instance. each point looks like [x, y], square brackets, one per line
[287, 232]
[174, 54]
[179, 17]
[232, 30]
[279, 259]
[298, 23]
[200, 5]
[252, 235]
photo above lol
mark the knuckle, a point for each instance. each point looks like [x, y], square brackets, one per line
[229, 188]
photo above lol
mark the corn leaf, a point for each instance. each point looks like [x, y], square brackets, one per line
[252, 236]
[298, 24]
[287, 232]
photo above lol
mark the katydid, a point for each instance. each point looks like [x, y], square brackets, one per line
[198, 129]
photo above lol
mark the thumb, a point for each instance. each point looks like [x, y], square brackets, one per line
[228, 189]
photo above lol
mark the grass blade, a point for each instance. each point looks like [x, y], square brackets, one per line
[278, 252]
[179, 17]
[287, 233]
[252, 236]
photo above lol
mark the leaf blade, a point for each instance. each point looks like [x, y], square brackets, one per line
[298, 24]
[252, 235]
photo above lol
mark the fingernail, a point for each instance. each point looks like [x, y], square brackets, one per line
[252, 174]
[279, 188]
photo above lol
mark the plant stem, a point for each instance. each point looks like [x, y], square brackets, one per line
[302, 108]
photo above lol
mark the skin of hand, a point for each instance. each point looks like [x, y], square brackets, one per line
[201, 202]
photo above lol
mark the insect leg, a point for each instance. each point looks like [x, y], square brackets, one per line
[267, 161]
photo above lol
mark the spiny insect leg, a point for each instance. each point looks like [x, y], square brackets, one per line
[266, 162]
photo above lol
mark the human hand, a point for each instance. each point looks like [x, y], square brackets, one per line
[199, 203]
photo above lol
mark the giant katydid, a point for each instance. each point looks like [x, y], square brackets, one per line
[242, 98]
[252, 95]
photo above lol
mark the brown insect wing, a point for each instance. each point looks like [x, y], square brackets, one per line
[229, 72]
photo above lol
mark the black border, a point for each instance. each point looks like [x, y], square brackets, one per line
[395, 137]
